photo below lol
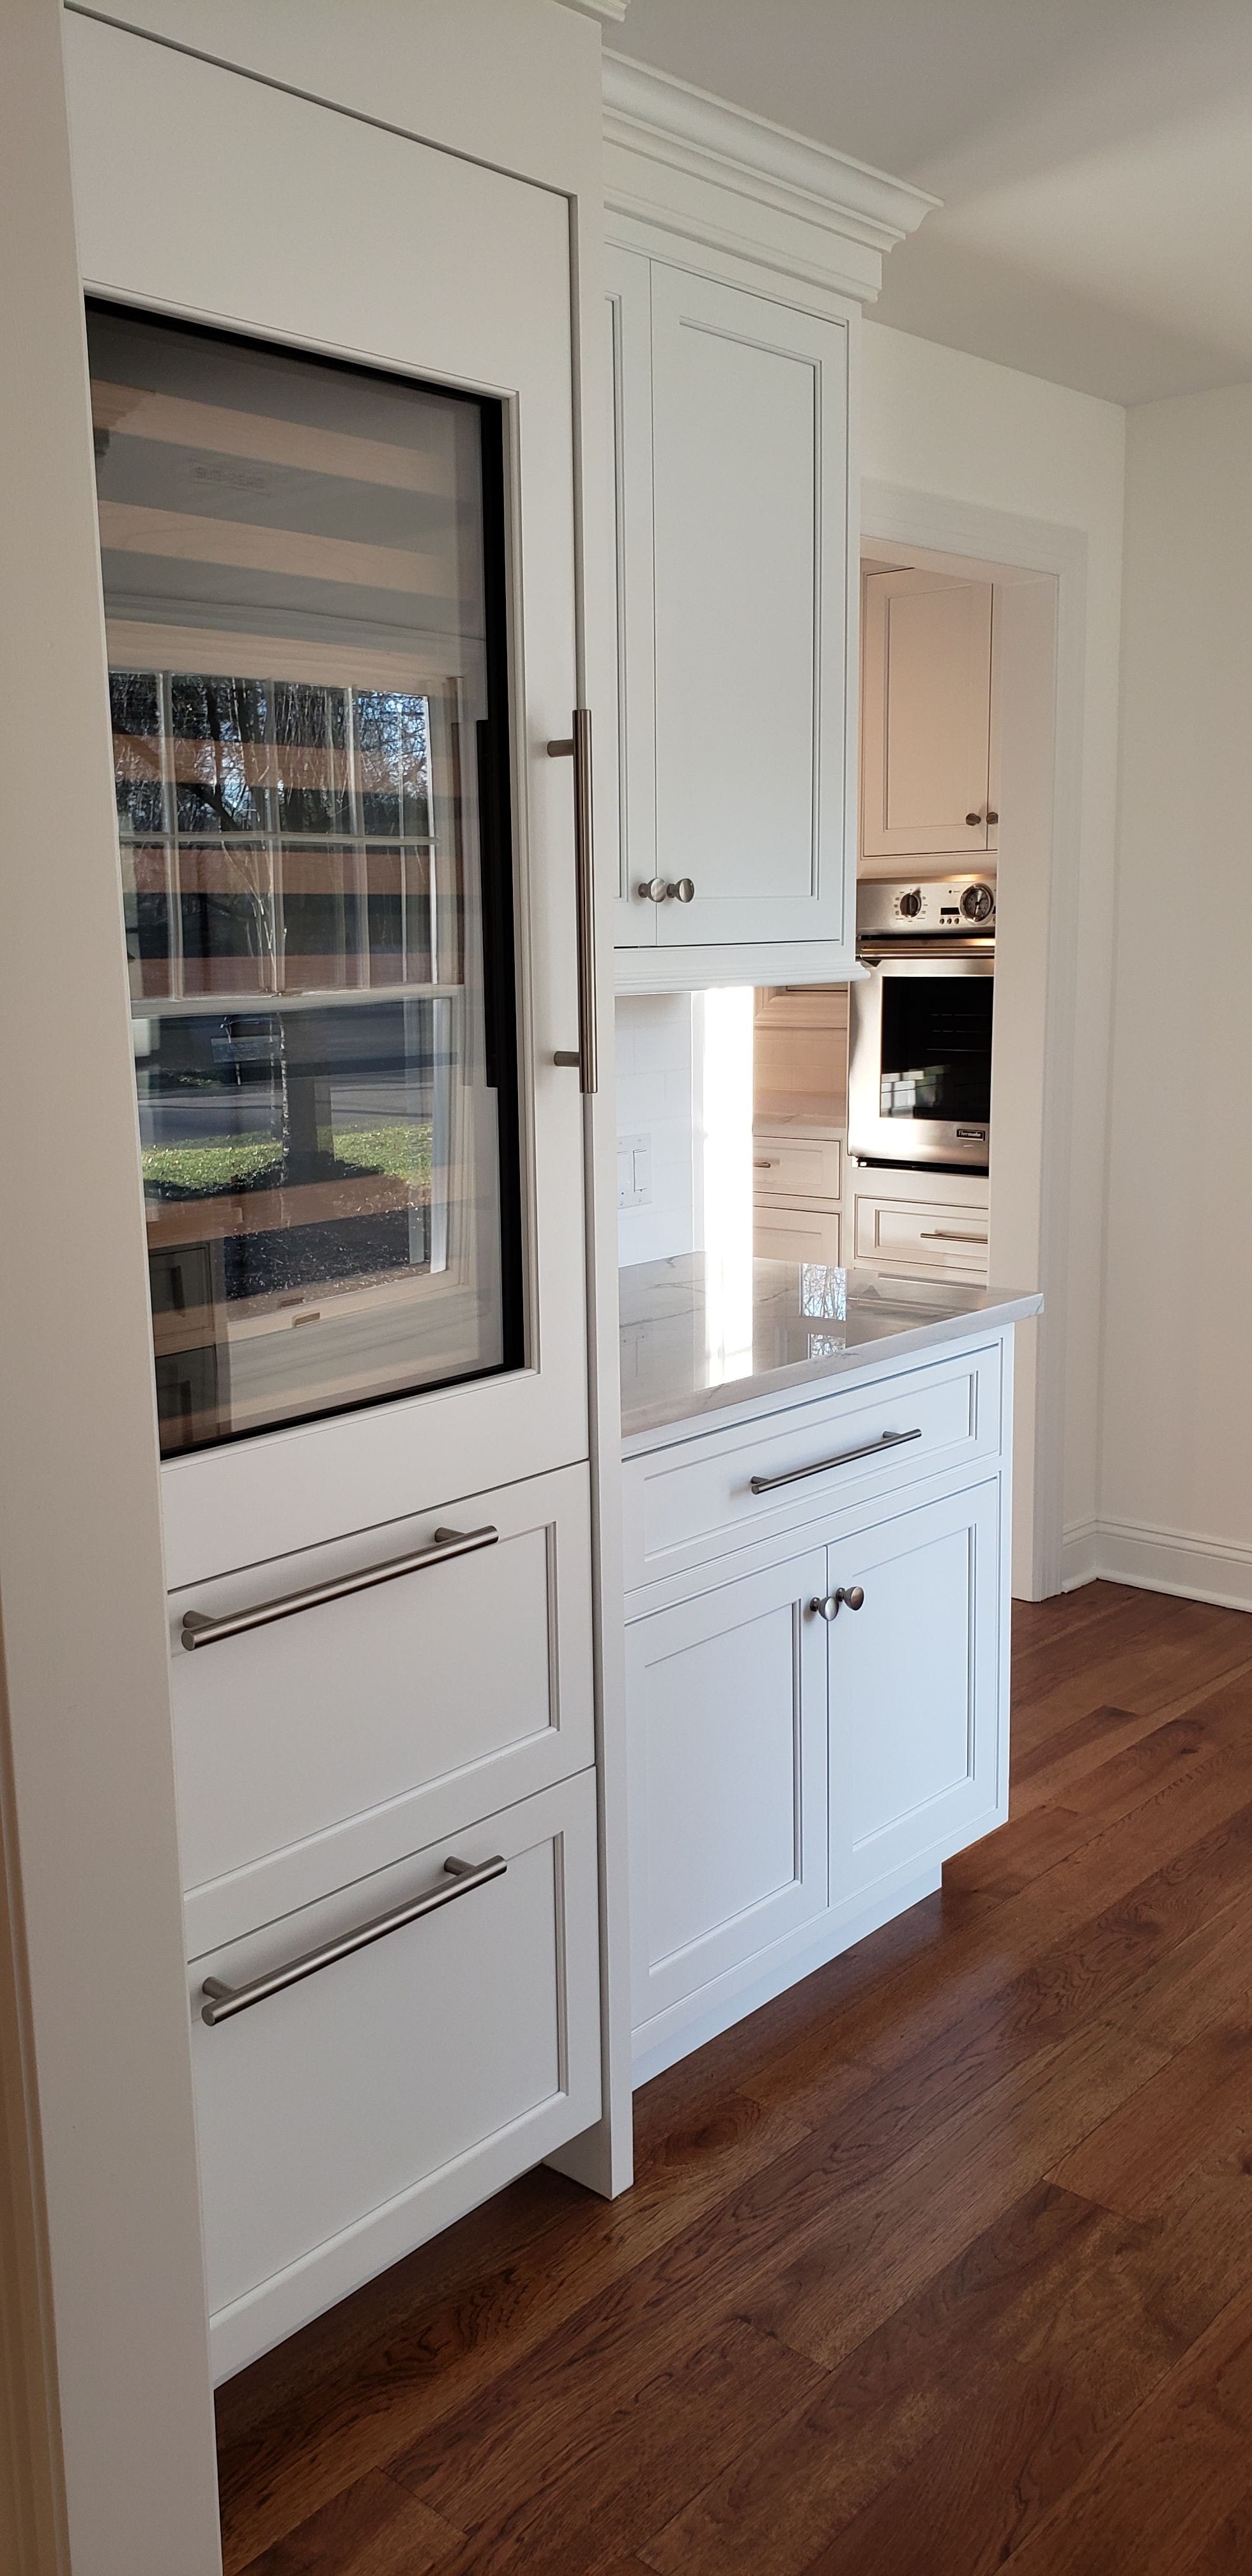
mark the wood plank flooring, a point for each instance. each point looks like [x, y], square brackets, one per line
[942, 2261]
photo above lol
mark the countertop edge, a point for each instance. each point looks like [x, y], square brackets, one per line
[719, 1406]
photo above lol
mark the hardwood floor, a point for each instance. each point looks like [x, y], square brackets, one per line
[942, 2260]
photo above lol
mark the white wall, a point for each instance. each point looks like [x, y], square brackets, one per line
[938, 422]
[1176, 1475]
[658, 1096]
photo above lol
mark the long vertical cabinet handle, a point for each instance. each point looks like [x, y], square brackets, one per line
[577, 747]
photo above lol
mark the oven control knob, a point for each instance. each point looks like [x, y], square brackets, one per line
[978, 903]
[911, 904]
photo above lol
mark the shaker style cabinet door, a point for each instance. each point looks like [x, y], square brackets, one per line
[926, 716]
[750, 504]
[630, 400]
[332, 389]
[917, 1763]
[727, 1727]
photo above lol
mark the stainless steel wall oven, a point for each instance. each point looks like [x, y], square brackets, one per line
[919, 1077]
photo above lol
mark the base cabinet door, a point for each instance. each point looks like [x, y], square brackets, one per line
[918, 1760]
[727, 1719]
[345, 2118]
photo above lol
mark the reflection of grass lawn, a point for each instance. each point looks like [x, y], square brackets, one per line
[401, 1149]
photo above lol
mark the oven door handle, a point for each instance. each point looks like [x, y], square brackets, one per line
[881, 953]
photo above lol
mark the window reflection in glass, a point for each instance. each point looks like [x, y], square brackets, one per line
[304, 592]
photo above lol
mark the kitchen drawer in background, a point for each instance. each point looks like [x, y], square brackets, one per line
[346, 2118]
[385, 1717]
[789, 1165]
[691, 1501]
[908, 1235]
[785, 1232]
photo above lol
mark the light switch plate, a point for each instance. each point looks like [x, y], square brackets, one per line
[634, 1171]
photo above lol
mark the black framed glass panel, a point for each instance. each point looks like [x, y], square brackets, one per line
[304, 589]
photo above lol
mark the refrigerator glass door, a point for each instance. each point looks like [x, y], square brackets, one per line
[304, 574]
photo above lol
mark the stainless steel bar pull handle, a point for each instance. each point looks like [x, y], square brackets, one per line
[943, 1234]
[225, 2001]
[577, 747]
[849, 1595]
[200, 1629]
[843, 1458]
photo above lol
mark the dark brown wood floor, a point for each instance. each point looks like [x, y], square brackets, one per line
[942, 2260]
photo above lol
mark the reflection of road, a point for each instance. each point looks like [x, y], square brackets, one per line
[188, 1117]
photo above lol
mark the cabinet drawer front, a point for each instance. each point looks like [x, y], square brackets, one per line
[436, 1696]
[727, 1723]
[346, 2118]
[802, 1233]
[908, 1234]
[689, 1503]
[793, 1167]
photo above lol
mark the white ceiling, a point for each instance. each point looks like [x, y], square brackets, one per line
[1094, 158]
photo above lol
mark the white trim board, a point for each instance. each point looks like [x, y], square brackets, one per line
[692, 165]
[1159, 1560]
[897, 514]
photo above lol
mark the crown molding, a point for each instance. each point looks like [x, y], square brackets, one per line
[689, 131]
[611, 11]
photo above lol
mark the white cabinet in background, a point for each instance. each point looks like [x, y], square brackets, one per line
[913, 1225]
[927, 784]
[728, 1806]
[796, 1231]
[731, 415]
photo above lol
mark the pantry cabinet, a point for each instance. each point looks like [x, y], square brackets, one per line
[928, 783]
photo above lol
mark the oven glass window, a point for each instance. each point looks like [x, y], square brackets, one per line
[304, 586]
[936, 1047]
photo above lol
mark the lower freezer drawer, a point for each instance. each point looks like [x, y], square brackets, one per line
[344, 2118]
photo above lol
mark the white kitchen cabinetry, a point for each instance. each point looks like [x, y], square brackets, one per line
[741, 681]
[797, 1189]
[833, 1568]
[739, 260]
[919, 1225]
[914, 1738]
[381, 1343]
[927, 737]
[345, 2117]
[728, 1806]
[785, 1230]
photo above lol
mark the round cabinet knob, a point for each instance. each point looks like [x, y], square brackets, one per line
[978, 902]
[992, 816]
[654, 891]
[849, 1596]
[911, 904]
[684, 891]
[973, 818]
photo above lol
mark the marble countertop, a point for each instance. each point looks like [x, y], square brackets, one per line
[695, 1341]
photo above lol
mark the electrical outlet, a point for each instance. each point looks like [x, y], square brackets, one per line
[634, 1171]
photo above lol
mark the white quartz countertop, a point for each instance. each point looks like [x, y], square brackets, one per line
[698, 1336]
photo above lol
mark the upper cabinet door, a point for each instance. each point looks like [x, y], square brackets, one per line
[630, 398]
[337, 528]
[926, 720]
[750, 504]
